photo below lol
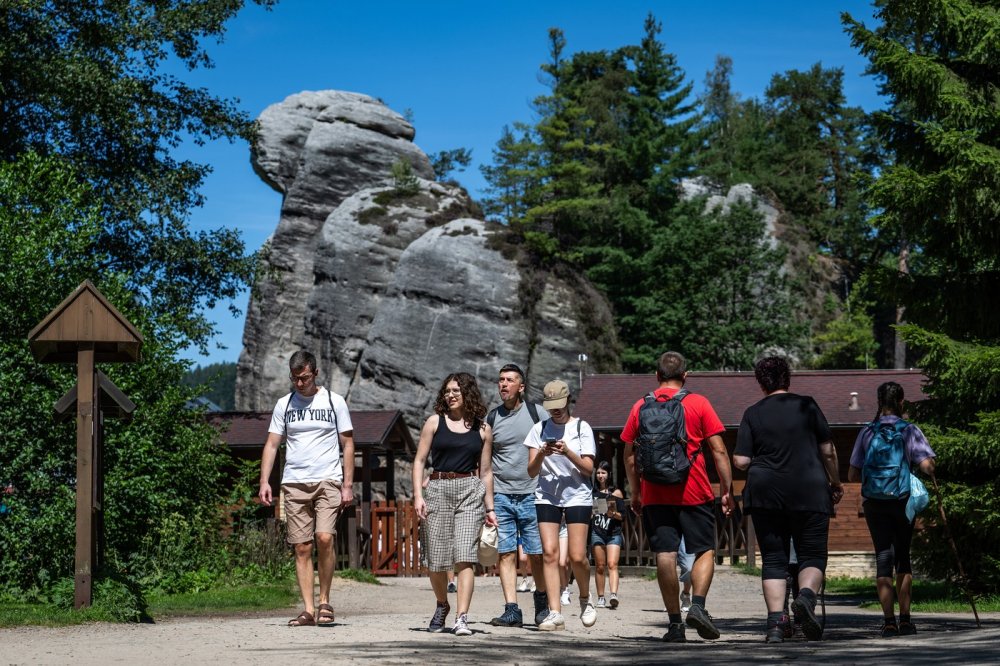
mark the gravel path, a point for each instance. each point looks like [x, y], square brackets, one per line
[386, 625]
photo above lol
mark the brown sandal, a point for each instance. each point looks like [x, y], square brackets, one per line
[324, 615]
[305, 619]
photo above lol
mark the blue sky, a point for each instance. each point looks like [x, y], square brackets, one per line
[466, 69]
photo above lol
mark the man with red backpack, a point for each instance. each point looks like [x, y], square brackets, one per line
[668, 483]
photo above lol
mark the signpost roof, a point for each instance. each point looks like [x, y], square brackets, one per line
[85, 318]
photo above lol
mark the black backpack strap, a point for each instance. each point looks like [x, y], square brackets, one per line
[533, 410]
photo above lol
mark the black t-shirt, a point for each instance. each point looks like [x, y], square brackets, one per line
[781, 434]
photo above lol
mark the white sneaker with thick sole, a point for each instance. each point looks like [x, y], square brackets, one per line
[565, 598]
[553, 622]
[462, 626]
[613, 603]
[588, 614]
[523, 585]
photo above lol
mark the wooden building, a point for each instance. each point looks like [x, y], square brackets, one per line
[847, 398]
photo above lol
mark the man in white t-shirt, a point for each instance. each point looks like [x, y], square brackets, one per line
[316, 426]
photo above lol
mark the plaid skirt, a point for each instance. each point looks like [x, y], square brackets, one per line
[455, 513]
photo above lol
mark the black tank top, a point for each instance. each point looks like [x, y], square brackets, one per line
[453, 451]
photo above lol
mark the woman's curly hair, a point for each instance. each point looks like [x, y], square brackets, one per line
[475, 410]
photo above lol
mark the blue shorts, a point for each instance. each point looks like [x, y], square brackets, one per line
[517, 523]
[611, 540]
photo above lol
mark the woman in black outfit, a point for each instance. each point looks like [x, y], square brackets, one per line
[792, 483]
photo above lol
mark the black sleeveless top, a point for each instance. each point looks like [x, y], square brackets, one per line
[455, 452]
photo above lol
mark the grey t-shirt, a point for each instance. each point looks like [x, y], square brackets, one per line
[510, 455]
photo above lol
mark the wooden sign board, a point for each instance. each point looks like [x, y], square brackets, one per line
[86, 329]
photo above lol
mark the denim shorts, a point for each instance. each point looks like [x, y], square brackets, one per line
[610, 540]
[517, 523]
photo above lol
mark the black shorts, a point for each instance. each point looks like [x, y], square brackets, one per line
[665, 524]
[548, 513]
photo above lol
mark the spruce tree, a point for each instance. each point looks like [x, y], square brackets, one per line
[937, 64]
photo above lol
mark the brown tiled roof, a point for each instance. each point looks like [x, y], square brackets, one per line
[605, 400]
[376, 428]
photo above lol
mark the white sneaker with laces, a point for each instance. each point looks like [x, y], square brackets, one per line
[553, 622]
[602, 602]
[462, 626]
[614, 601]
[588, 614]
[523, 585]
[565, 598]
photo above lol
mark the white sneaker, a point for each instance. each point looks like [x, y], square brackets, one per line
[685, 602]
[462, 626]
[553, 622]
[588, 614]
[565, 598]
[523, 585]
[602, 602]
[533, 585]
[614, 601]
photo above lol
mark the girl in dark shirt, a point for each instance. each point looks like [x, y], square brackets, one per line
[606, 533]
[792, 484]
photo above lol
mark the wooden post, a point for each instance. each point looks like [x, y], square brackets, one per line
[86, 402]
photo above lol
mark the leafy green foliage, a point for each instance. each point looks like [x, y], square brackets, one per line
[84, 81]
[404, 182]
[446, 161]
[937, 64]
[847, 341]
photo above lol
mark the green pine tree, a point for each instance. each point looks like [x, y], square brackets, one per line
[937, 63]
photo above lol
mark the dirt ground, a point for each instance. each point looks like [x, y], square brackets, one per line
[386, 624]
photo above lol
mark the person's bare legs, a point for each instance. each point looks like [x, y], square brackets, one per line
[439, 583]
[666, 579]
[549, 533]
[507, 568]
[578, 557]
[600, 565]
[904, 592]
[324, 561]
[465, 575]
[886, 595]
[538, 572]
[563, 563]
[775, 592]
[304, 575]
[614, 552]
[812, 578]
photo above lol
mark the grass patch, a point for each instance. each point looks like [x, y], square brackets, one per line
[928, 596]
[745, 569]
[224, 600]
[359, 576]
[15, 614]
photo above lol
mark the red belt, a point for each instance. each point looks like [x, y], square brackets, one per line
[437, 476]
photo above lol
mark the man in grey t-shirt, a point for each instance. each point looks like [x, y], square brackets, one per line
[514, 494]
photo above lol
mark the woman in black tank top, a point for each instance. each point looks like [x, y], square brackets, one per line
[453, 502]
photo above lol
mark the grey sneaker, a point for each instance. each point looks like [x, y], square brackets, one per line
[541, 606]
[805, 614]
[588, 614]
[437, 621]
[699, 619]
[511, 617]
[462, 626]
[613, 603]
[553, 622]
[685, 602]
[675, 633]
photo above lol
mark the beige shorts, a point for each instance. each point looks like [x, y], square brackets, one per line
[311, 508]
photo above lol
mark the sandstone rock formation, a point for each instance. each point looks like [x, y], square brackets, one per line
[393, 287]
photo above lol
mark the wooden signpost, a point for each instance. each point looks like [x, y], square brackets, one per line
[86, 329]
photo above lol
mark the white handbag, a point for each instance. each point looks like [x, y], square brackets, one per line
[487, 548]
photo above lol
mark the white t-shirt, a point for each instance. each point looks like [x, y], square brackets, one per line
[311, 427]
[560, 482]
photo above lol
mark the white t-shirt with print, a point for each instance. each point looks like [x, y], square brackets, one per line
[311, 427]
[560, 482]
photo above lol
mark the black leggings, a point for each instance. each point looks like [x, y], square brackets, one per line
[775, 530]
[891, 535]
